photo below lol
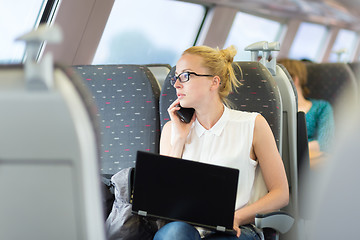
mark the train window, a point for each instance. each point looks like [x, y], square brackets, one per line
[242, 34]
[308, 41]
[143, 32]
[343, 46]
[16, 20]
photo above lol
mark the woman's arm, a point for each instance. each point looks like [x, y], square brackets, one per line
[326, 126]
[166, 147]
[325, 134]
[273, 171]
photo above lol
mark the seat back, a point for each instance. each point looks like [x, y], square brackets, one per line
[259, 93]
[331, 81]
[49, 181]
[127, 99]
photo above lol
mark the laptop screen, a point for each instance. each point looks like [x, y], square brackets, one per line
[178, 189]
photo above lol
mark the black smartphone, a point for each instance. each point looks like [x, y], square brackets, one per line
[185, 114]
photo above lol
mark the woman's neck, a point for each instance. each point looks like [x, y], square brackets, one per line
[210, 114]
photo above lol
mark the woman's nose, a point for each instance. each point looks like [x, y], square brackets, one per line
[177, 84]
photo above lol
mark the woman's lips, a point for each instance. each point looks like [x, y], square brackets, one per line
[180, 95]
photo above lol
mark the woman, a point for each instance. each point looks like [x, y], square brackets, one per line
[218, 135]
[318, 113]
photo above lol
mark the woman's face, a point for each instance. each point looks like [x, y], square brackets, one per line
[196, 90]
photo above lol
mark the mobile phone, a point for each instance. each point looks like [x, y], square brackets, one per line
[185, 114]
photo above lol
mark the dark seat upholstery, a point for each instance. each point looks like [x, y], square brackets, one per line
[329, 81]
[127, 98]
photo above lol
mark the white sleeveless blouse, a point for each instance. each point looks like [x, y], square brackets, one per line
[227, 143]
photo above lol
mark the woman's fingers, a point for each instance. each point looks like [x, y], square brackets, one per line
[175, 106]
[238, 231]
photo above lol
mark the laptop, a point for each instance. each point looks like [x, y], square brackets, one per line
[176, 189]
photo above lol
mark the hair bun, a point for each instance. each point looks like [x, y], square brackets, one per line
[229, 53]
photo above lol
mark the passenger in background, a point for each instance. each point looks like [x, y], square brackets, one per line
[218, 135]
[319, 113]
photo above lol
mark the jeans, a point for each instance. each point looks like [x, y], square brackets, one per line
[184, 231]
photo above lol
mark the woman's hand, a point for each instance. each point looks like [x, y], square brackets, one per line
[236, 226]
[174, 133]
[179, 129]
[237, 223]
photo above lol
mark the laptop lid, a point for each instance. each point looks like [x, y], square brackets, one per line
[176, 189]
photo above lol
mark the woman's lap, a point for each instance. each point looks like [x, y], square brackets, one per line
[247, 233]
[184, 231]
[177, 231]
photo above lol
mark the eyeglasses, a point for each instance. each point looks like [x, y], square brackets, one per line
[185, 77]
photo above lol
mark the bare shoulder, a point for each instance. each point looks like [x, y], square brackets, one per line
[166, 131]
[262, 130]
[167, 126]
[260, 122]
[165, 138]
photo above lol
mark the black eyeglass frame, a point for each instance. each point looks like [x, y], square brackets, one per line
[174, 78]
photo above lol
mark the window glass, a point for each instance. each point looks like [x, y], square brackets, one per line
[17, 17]
[308, 41]
[248, 29]
[343, 46]
[144, 32]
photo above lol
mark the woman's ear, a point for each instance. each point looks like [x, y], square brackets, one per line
[216, 81]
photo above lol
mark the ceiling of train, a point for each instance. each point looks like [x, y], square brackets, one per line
[342, 13]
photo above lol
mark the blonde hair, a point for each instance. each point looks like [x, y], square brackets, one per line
[219, 63]
[297, 68]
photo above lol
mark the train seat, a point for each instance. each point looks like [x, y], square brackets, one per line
[50, 178]
[49, 165]
[331, 82]
[127, 99]
[259, 93]
[293, 141]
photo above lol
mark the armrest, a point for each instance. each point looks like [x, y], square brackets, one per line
[280, 221]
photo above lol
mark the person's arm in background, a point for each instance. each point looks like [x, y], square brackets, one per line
[325, 132]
